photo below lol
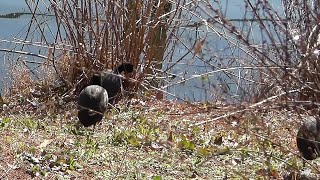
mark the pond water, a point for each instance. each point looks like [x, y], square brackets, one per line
[196, 89]
[11, 28]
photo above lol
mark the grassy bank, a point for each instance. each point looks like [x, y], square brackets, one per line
[154, 140]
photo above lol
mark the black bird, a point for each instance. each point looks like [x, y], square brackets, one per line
[92, 104]
[308, 138]
[110, 80]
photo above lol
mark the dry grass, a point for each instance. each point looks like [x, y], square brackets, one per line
[152, 140]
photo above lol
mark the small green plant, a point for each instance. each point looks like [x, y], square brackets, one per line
[157, 177]
[36, 171]
[185, 144]
[28, 123]
[4, 121]
[134, 141]
[204, 151]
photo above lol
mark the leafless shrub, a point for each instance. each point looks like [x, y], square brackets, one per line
[104, 34]
[83, 36]
[268, 54]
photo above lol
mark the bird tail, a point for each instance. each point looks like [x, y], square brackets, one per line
[124, 67]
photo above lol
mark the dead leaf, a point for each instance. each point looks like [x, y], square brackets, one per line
[45, 143]
[197, 50]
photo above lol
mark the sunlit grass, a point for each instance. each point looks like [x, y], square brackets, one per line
[153, 144]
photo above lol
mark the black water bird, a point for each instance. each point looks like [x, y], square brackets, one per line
[111, 80]
[92, 103]
[308, 138]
